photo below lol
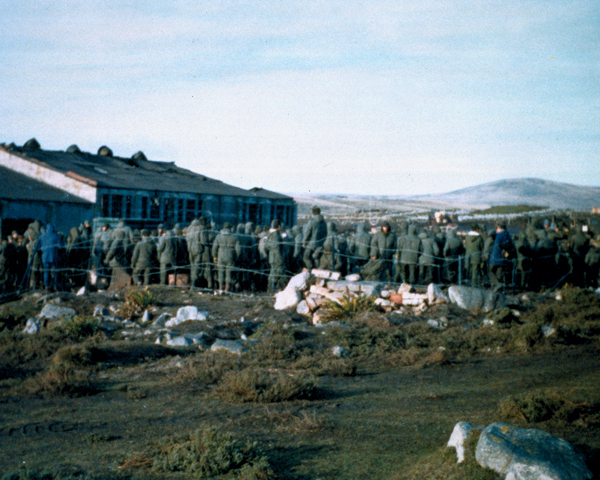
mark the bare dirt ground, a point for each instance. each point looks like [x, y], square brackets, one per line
[372, 415]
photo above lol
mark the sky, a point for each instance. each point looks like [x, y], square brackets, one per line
[341, 97]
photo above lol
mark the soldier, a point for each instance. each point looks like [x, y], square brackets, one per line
[225, 250]
[315, 233]
[75, 258]
[359, 249]
[298, 254]
[409, 246]
[592, 261]
[473, 256]
[116, 258]
[383, 246]
[429, 251]
[143, 259]
[167, 255]
[206, 239]
[329, 257]
[453, 249]
[274, 248]
[244, 261]
[50, 245]
[580, 244]
[503, 253]
[194, 251]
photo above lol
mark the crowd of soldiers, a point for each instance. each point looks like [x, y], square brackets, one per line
[250, 258]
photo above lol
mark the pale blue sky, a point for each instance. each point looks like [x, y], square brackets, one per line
[313, 97]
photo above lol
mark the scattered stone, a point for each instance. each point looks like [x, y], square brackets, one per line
[317, 318]
[475, 299]
[311, 302]
[146, 316]
[488, 321]
[421, 308]
[559, 296]
[436, 295]
[525, 298]
[382, 302]
[528, 454]
[230, 346]
[192, 313]
[180, 342]
[161, 320]
[355, 277]
[385, 293]
[366, 288]
[101, 311]
[548, 330]
[53, 311]
[288, 298]
[339, 351]
[459, 436]
[303, 308]
[405, 288]
[435, 324]
[326, 274]
[300, 281]
[32, 326]
[81, 292]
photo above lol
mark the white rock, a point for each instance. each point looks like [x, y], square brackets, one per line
[101, 311]
[288, 298]
[303, 308]
[339, 351]
[434, 324]
[300, 281]
[475, 299]
[161, 320]
[146, 316]
[230, 346]
[174, 321]
[180, 342]
[192, 313]
[354, 277]
[405, 288]
[382, 302]
[53, 311]
[528, 454]
[548, 330]
[488, 321]
[459, 436]
[81, 291]
[326, 274]
[317, 319]
[436, 295]
[385, 294]
[197, 338]
[32, 326]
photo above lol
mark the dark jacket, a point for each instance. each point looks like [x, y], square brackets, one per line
[50, 244]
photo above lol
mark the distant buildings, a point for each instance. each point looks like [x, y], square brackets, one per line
[68, 187]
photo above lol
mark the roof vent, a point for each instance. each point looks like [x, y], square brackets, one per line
[73, 149]
[139, 156]
[31, 144]
[104, 151]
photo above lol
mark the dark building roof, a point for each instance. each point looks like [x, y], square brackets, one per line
[136, 173]
[14, 186]
[262, 193]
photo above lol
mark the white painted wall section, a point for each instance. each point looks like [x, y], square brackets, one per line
[48, 176]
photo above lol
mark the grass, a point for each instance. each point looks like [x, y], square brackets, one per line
[208, 452]
[261, 386]
[509, 209]
[81, 327]
[137, 300]
[348, 307]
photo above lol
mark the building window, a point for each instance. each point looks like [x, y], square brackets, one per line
[116, 207]
[155, 208]
[199, 209]
[105, 205]
[144, 207]
[180, 212]
[190, 210]
[169, 213]
[128, 203]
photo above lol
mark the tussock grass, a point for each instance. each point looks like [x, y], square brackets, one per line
[206, 453]
[205, 369]
[137, 300]
[81, 327]
[348, 307]
[261, 386]
[59, 381]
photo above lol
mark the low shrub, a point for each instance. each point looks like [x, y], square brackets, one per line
[137, 300]
[81, 327]
[348, 307]
[209, 452]
[206, 369]
[73, 356]
[58, 380]
[259, 386]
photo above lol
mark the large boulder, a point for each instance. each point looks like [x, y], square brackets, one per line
[300, 281]
[52, 312]
[288, 298]
[460, 434]
[186, 314]
[435, 294]
[528, 454]
[475, 299]
[32, 326]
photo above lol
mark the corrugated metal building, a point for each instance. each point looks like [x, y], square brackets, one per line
[67, 187]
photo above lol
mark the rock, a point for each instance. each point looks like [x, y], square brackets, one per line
[317, 318]
[459, 436]
[81, 291]
[53, 311]
[101, 311]
[488, 321]
[192, 313]
[414, 299]
[475, 299]
[288, 298]
[405, 288]
[32, 326]
[303, 308]
[385, 294]
[435, 324]
[382, 302]
[436, 295]
[324, 292]
[528, 454]
[161, 320]
[300, 281]
[354, 277]
[326, 274]
[311, 303]
[366, 288]
[396, 298]
[180, 342]
[421, 308]
[338, 351]
[548, 330]
[146, 316]
[230, 346]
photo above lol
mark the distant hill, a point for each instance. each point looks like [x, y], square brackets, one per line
[518, 191]
[521, 191]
